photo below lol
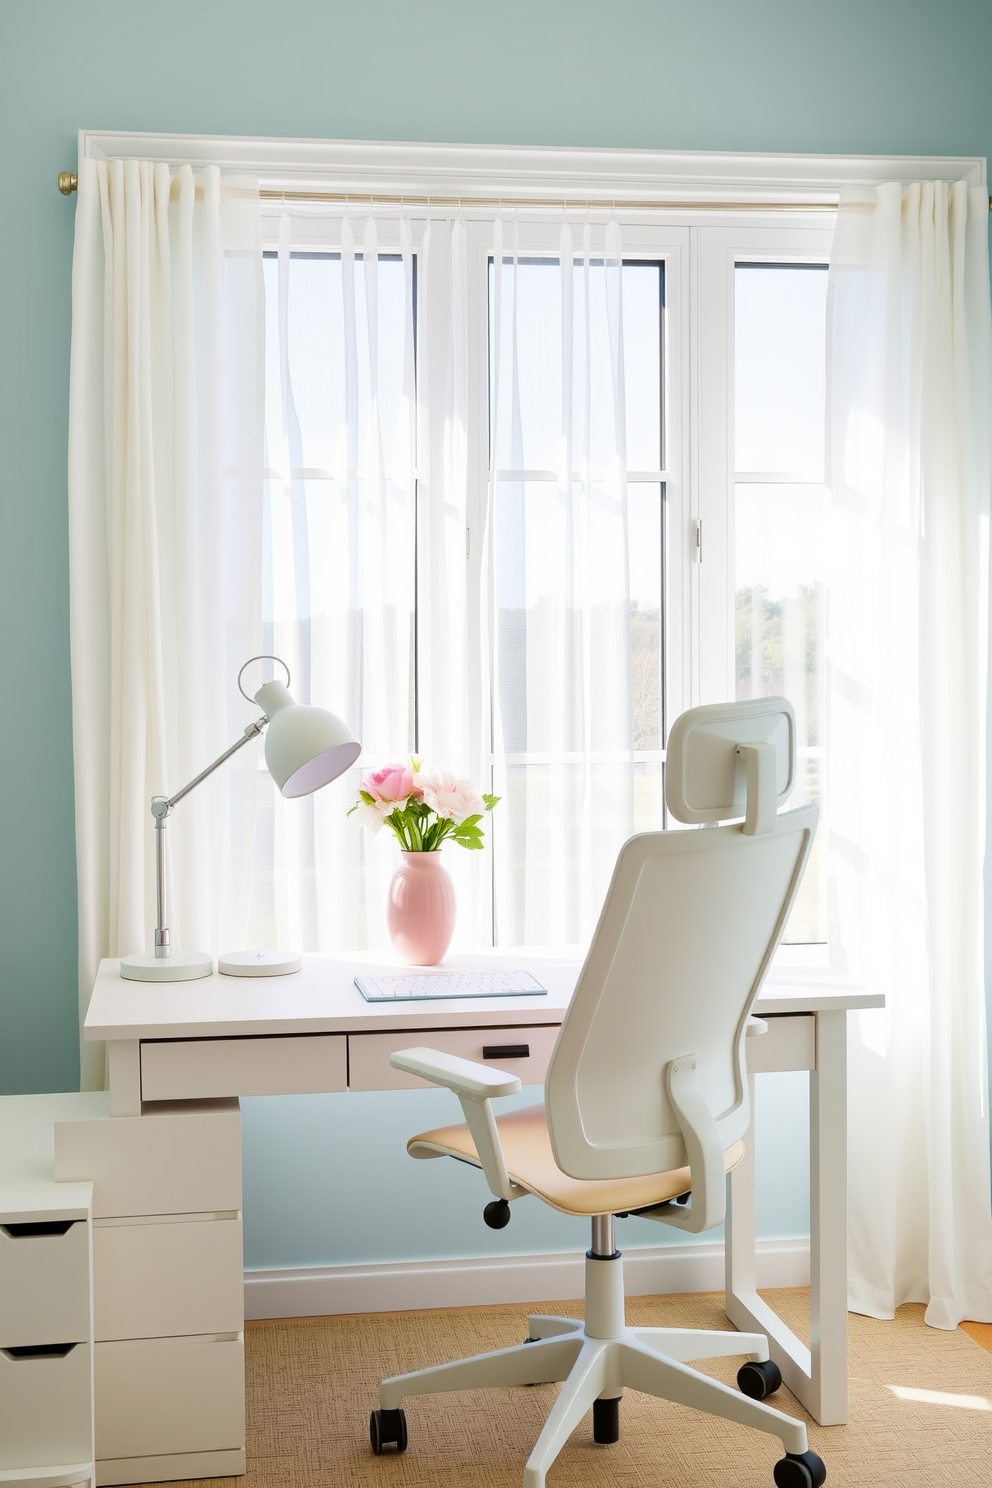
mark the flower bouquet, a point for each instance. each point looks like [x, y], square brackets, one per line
[423, 811]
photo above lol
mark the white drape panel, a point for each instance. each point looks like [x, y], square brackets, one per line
[165, 530]
[560, 579]
[339, 562]
[453, 617]
[367, 589]
[909, 398]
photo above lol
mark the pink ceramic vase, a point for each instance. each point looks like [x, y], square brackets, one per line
[420, 911]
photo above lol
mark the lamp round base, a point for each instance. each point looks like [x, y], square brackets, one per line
[260, 963]
[181, 966]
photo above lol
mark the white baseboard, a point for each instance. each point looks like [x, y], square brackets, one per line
[403, 1286]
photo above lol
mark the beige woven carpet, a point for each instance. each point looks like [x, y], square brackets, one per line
[312, 1382]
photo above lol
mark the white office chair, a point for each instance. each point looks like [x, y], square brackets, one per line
[646, 1095]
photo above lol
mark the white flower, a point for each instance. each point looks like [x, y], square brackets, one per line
[373, 816]
[452, 797]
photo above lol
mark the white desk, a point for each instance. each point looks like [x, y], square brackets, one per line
[314, 1032]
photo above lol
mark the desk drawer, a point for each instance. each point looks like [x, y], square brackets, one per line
[169, 1395]
[45, 1411]
[789, 1044]
[368, 1053]
[44, 1283]
[179, 1159]
[193, 1069]
[159, 1279]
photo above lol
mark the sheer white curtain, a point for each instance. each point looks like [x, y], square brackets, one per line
[367, 592]
[164, 555]
[560, 577]
[909, 398]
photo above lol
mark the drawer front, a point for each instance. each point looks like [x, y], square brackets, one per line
[789, 1044]
[169, 1395]
[162, 1280]
[503, 1048]
[191, 1069]
[45, 1414]
[44, 1285]
[174, 1161]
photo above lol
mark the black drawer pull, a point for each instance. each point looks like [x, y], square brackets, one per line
[39, 1351]
[506, 1051]
[34, 1228]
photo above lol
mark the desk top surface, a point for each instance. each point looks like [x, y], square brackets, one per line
[323, 998]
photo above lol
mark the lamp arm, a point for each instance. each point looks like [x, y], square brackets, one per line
[252, 731]
[161, 809]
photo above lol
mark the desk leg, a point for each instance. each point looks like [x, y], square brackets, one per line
[828, 1218]
[817, 1376]
[125, 1077]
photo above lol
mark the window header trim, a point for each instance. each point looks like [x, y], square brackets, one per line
[364, 167]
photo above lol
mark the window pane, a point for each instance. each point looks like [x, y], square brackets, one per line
[579, 565]
[644, 516]
[530, 373]
[779, 582]
[780, 340]
[780, 351]
[643, 309]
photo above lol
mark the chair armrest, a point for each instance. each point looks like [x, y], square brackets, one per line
[474, 1084]
[466, 1077]
[704, 1149]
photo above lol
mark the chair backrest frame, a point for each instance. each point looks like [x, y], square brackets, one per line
[688, 928]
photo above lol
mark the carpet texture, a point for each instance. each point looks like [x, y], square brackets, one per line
[312, 1382]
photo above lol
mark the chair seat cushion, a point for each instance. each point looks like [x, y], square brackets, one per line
[530, 1163]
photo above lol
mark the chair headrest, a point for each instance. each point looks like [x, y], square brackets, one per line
[729, 760]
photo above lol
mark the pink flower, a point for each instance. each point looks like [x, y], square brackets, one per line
[392, 784]
[451, 797]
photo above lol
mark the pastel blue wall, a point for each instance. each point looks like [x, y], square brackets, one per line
[892, 76]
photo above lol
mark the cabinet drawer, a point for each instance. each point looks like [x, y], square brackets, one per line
[169, 1395]
[178, 1160]
[160, 1280]
[191, 1069]
[45, 1415]
[44, 1283]
[368, 1053]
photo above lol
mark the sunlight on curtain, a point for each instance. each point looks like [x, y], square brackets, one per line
[339, 553]
[164, 546]
[909, 392]
[560, 566]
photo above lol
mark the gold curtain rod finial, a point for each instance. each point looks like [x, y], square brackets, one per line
[67, 182]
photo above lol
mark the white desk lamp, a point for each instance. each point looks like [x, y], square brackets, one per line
[305, 748]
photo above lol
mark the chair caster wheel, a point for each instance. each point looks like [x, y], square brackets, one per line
[606, 1421]
[387, 1428]
[497, 1214]
[759, 1380]
[800, 1470]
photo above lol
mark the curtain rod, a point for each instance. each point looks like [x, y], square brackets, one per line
[68, 183]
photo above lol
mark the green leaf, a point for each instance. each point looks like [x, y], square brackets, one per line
[491, 801]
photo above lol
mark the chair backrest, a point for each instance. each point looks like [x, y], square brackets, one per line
[688, 928]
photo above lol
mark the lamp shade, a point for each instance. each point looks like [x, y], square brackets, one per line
[305, 747]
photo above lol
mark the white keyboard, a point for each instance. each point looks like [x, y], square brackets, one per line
[415, 986]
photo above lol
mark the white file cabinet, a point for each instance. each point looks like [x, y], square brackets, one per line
[46, 1302]
[121, 1292]
[168, 1291]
